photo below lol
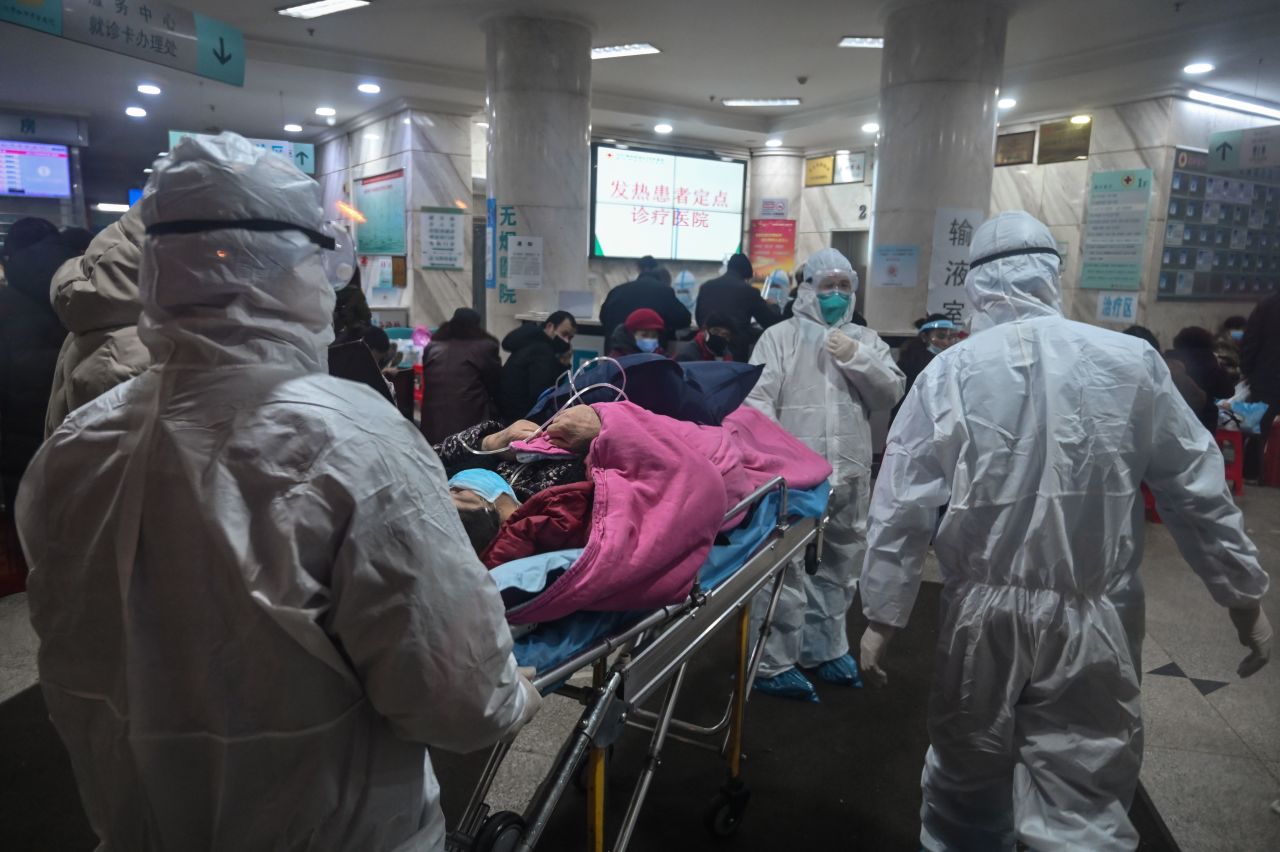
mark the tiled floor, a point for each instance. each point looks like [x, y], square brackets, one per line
[1212, 741]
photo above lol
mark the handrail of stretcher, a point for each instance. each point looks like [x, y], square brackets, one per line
[548, 679]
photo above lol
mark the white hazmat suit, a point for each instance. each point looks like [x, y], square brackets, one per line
[825, 402]
[256, 604]
[1036, 433]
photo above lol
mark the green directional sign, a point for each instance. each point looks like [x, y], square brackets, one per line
[1224, 150]
[143, 29]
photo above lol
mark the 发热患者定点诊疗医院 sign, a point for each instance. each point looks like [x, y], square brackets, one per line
[1115, 234]
[143, 29]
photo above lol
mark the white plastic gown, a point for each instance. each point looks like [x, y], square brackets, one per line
[826, 404]
[1036, 433]
[255, 601]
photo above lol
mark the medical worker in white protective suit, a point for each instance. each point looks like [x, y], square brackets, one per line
[823, 376]
[1036, 433]
[255, 602]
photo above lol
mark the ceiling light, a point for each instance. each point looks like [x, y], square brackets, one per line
[372, 136]
[105, 207]
[1080, 119]
[320, 8]
[609, 141]
[163, 154]
[148, 89]
[663, 128]
[326, 111]
[147, 171]
[1233, 103]
[775, 142]
[843, 151]
[369, 88]
[1082, 157]
[135, 112]
[727, 159]
[293, 128]
[870, 127]
[861, 41]
[760, 102]
[1198, 68]
[623, 147]
[615, 51]
[1006, 103]
[482, 124]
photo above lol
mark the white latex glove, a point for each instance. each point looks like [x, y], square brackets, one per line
[1254, 631]
[875, 641]
[532, 701]
[841, 346]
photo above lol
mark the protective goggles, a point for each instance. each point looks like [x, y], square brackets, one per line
[943, 324]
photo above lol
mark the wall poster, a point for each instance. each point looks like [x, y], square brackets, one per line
[1115, 230]
[380, 199]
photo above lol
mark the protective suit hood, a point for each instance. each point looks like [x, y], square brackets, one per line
[822, 264]
[1014, 268]
[214, 295]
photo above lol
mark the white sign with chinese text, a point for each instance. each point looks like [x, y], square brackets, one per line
[524, 263]
[1119, 309]
[442, 238]
[774, 208]
[953, 229]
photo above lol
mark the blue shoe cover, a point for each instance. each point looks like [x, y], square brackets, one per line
[842, 671]
[789, 684]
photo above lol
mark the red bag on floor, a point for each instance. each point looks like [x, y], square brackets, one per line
[13, 565]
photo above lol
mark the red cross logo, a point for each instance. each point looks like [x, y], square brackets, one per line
[1128, 179]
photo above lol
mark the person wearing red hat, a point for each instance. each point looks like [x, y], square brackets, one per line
[642, 332]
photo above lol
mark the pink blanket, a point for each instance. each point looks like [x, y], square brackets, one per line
[662, 489]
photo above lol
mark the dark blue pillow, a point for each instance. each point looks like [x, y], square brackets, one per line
[699, 392]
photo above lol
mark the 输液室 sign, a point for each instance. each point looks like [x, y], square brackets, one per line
[953, 229]
[301, 154]
[144, 29]
[1115, 231]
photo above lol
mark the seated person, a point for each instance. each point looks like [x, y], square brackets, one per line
[711, 343]
[642, 332]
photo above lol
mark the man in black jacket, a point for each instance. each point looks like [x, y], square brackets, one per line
[538, 357]
[649, 290]
[733, 296]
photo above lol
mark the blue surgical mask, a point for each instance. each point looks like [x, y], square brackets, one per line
[934, 349]
[1237, 334]
[647, 344]
[833, 305]
[486, 483]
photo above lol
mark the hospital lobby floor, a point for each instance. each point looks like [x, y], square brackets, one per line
[1211, 770]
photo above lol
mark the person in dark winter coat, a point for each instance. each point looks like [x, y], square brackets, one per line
[461, 374]
[1260, 367]
[711, 343]
[351, 314]
[936, 334]
[539, 354]
[31, 335]
[1193, 346]
[650, 291]
[732, 295]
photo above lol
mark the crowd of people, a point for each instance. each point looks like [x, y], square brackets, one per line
[278, 597]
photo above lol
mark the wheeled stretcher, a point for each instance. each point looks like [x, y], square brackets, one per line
[634, 659]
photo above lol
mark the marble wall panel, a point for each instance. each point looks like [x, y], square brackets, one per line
[1192, 122]
[835, 208]
[1065, 190]
[1125, 127]
[1017, 188]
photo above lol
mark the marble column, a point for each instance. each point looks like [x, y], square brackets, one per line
[939, 81]
[776, 173]
[539, 113]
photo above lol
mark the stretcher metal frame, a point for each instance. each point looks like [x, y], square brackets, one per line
[630, 668]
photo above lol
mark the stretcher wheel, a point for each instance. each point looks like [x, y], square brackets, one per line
[811, 558]
[724, 815]
[500, 832]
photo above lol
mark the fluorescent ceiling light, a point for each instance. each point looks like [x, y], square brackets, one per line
[773, 143]
[870, 127]
[862, 41]
[1198, 68]
[1006, 103]
[1233, 103]
[147, 171]
[608, 141]
[727, 159]
[623, 147]
[843, 151]
[148, 89]
[326, 111]
[760, 102]
[616, 51]
[293, 128]
[482, 124]
[663, 128]
[1080, 119]
[321, 8]
[106, 207]
[135, 112]
[369, 88]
